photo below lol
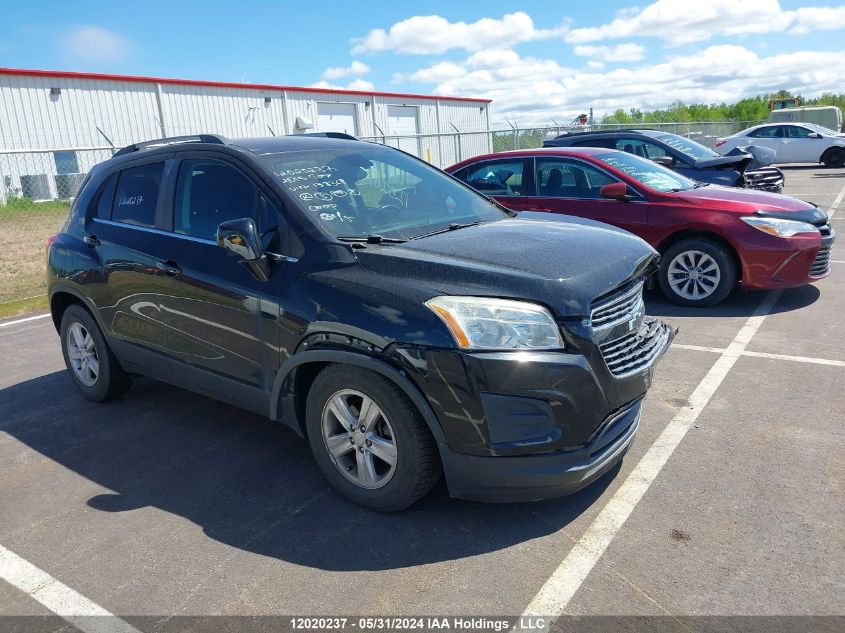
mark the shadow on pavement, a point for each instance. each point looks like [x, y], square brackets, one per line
[251, 483]
[739, 303]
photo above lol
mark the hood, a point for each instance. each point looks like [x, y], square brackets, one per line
[564, 263]
[750, 200]
[739, 162]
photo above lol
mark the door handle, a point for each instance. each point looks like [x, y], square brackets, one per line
[91, 241]
[169, 267]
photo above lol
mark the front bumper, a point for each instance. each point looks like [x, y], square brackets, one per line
[520, 426]
[544, 476]
[773, 263]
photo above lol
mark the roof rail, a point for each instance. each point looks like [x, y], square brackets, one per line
[338, 135]
[173, 140]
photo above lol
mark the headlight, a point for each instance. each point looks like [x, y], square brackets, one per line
[482, 323]
[779, 227]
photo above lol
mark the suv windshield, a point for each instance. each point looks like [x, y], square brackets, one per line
[694, 150]
[647, 172]
[376, 191]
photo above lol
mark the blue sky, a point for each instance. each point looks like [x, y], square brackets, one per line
[537, 60]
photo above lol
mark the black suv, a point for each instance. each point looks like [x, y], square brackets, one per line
[683, 155]
[402, 323]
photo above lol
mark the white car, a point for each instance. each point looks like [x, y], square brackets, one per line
[792, 142]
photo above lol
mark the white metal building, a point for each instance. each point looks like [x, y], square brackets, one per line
[55, 125]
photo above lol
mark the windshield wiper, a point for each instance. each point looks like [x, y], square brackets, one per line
[700, 184]
[452, 227]
[370, 239]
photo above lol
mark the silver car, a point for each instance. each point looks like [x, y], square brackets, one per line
[792, 143]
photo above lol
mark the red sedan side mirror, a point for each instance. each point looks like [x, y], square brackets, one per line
[615, 191]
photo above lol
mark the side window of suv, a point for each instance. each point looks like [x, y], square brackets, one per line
[497, 178]
[210, 191]
[641, 148]
[136, 195]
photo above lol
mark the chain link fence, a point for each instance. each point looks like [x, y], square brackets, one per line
[41, 175]
[56, 174]
[443, 150]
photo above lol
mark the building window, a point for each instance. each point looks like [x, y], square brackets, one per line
[66, 162]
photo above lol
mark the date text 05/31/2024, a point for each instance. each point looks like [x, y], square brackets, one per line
[424, 623]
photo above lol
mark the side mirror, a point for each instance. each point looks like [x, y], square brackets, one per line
[240, 238]
[814, 135]
[665, 161]
[614, 191]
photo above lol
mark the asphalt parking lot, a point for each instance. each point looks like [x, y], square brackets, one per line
[165, 503]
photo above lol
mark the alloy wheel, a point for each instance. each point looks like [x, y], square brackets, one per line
[359, 439]
[694, 275]
[82, 354]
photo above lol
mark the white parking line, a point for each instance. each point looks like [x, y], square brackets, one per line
[59, 598]
[789, 357]
[835, 206]
[555, 594]
[32, 318]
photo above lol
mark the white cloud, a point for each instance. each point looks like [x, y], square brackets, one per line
[361, 84]
[595, 64]
[354, 69]
[818, 19]
[96, 44]
[432, 35]
[680, 22]
[533, 90]
[356, 84]
[619, 53]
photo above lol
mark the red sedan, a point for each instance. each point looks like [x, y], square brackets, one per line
[711, 238]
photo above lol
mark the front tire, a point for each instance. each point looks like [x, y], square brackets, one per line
[369, 440]
[697, 272]
[92, 365]
[834, 157]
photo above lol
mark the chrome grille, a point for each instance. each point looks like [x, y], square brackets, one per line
[627, 306]
[821, 265]
[637, 350]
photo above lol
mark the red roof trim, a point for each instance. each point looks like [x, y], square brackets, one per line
[66, 74]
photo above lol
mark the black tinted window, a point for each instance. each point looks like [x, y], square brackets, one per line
[209, 192]
[609, 143]
[137, 195]
[104, 204]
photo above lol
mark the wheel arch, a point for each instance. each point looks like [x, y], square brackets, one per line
[679, 236]
[62, 297]
[297, 374]
[829, 150]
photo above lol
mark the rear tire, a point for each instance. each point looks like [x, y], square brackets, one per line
[697, 272]
[834, 157]
[390, 459]
[91, 364]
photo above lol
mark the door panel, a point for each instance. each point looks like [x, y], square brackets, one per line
[123, 237]
[570, 186]
[798, 147]
[223, 320]
[767, 137]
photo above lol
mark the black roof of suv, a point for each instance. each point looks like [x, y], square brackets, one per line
[351, 291]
